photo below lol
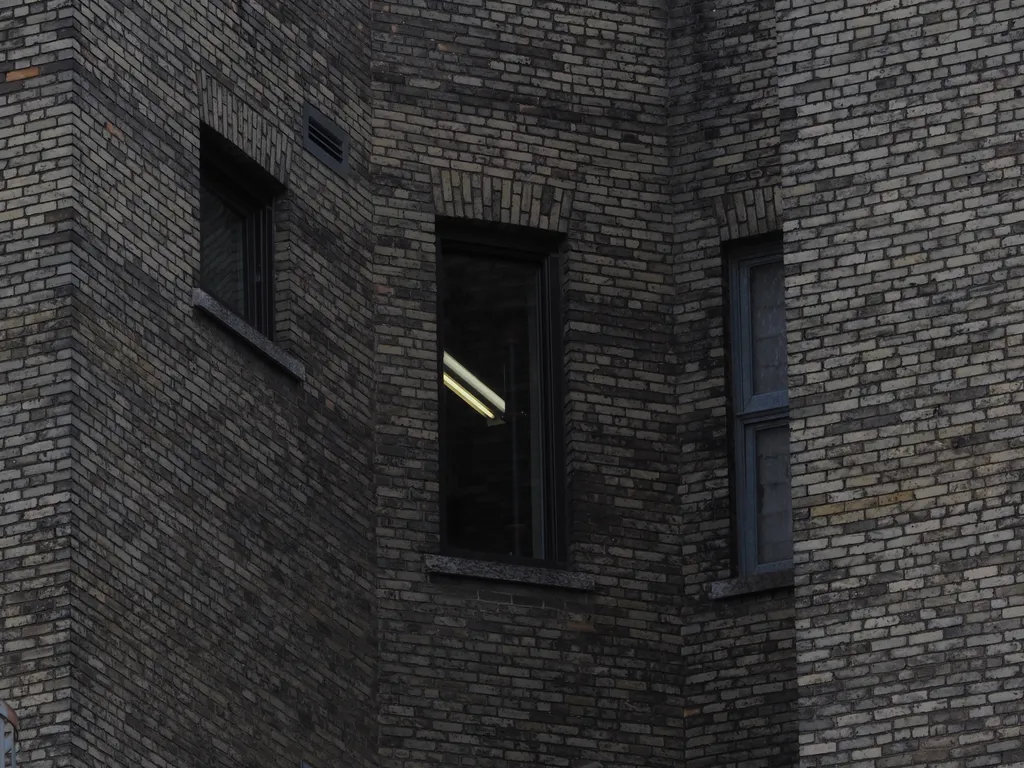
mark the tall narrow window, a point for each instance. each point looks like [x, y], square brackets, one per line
[760, 407]
[236, 211]
[500, 407]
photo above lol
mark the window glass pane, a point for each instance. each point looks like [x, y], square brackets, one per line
[768, 331]
[774, 499]
[493, 406]
[221, 243]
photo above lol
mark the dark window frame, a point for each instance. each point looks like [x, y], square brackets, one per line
[748, 412]
[250, 192]
[543, 248]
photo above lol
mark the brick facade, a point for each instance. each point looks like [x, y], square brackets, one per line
[902, 196]
[38, 271]
[568, 104]
[215, 553]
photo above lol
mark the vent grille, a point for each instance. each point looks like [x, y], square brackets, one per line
[325, 140]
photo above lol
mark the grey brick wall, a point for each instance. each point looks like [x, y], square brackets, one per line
[246, 554]
[489, 674]
[740, 685]
[37, 273]
[204, 562]
[646, 670]
[222, 559]
[902, 197]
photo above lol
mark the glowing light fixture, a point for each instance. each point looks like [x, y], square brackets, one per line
[467, 396]
[474, 383]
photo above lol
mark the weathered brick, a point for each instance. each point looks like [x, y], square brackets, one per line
[214, 565]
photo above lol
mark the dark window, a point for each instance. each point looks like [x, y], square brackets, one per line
[500, 403]
[236, 211]
[760, 407]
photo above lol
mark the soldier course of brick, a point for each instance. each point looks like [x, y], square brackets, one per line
[228, 543]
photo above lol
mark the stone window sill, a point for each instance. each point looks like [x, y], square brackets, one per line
[748, 585]
[517, 574]
[204, 301]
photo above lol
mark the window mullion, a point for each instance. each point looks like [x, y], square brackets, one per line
[750, 527]
[743, 352]
[248, 256]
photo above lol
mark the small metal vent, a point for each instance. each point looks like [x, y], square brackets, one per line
[325, 140]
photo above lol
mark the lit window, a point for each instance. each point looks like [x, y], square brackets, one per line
[760, 407]
[500, 408]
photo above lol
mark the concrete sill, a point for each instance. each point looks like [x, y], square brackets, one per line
[748, 585]
[204, 301]
[517, 574]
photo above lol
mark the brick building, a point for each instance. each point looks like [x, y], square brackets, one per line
[512, 383]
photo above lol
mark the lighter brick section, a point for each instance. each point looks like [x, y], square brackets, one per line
[902, 201]
[245, 127]
[37, 261]
[501, 199]
[748, 213]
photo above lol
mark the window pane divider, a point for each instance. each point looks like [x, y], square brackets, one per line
[752, 418]
[766, 401]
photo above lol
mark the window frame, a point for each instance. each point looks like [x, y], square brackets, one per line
[250, 192]
[749, 412]
[515, 243]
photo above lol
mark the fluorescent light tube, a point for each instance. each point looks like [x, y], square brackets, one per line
[467, 396]
[482, 389]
